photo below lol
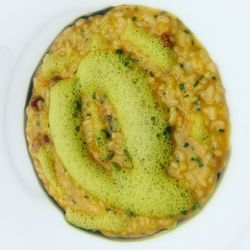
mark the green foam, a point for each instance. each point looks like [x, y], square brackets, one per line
[54, 65]
[96, 42]
[109, 221]
[45, 157]
[145, 189]
[151, 46]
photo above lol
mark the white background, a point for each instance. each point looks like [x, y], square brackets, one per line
[28, 221]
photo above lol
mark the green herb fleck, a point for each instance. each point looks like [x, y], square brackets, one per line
[116, 166]
[109, 155]
[197, 109]
[213, 78]
[187, 31]
[187, 95]
[112, 123]
[200, 164]
[106, 133]
[184, 212]
[128, 154]
[196, 206]
[151, 73]
[197, 82]
[118, 51]
[221, 130]
[182, 65]
[126, 63]
[108, 118]
[133, 18]
[186, 144]
[131, 213]
[198, 161]
[182, 86]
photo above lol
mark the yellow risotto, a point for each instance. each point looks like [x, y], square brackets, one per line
[127, 125]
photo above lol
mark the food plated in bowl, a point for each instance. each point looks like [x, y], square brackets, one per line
[127, 125]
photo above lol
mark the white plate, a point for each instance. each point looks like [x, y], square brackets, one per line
[28, 220]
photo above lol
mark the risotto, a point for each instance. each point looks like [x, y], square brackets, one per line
[127, 124]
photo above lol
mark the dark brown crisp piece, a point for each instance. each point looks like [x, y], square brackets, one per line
[46, 139]
[34, 102]
[57, 78]
[165, 39]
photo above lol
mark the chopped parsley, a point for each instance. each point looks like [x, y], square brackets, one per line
[116, 166]
[109, 155]
[200, 164]
[196, 206]
[131, 213]
[187, 31]
[182, 86]
[151, 73]
[126, 63]
[198, 161]
[197, 105]
[186, 144]
[221, 130]
[118, 51]
[197, 82]
[184, 212]
[133, 18]
[127, 154]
